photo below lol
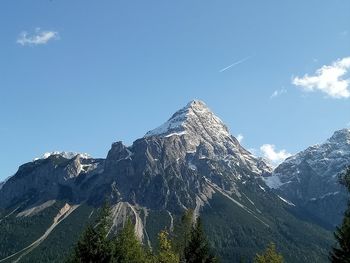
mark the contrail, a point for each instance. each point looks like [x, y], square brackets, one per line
[236, 63]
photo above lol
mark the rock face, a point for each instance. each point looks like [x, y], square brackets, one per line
[168, 167]
[53, 177]
[310, 179]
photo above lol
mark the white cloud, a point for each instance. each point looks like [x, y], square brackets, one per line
[39, 37]
[328, 79]
[278, 93]
[275, 157]
[240, 138]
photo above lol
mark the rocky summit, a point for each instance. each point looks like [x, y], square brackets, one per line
[189, 162]
[310, 179]
[173, 164]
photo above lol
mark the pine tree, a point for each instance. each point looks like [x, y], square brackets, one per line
[94, 245]
[182, 233]
[270, 255]
[166, 253]
[197, 249]
[341, 252]
[128, 249]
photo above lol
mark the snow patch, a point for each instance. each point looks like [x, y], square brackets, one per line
[273, 181]
[192, 166]
[286, 201]
[262, 188]
[67, 155]
[176, 134]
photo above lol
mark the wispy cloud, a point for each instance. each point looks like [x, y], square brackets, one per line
[235, 63]
[270, 153]
[328, 79]
[240, 137]
[39, 37]
[278, 93]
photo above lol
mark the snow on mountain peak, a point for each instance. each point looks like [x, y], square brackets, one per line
[326, 161]
[198, 104]
[198, 126]
[195, 113]
[67, 155]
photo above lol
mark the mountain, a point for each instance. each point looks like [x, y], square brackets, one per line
[56, 176]
[189, 162]
[310, 179]
[180, 157]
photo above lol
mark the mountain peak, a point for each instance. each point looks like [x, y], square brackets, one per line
[196, 104]
[342, 135]
[193, 117]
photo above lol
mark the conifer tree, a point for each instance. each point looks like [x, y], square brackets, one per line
[182, 233]
[128, 249]
[341, 252]
[270, 255]
[166, 253]
[94, 245]
[197, 249]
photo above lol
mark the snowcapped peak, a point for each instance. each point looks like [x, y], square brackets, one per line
[196, 104]
[67, 155]
[203, 135]
[326, 159]
[195, 115]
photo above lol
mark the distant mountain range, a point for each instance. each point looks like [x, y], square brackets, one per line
[189, 162]
[310, 179]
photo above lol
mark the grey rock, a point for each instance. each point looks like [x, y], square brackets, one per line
[54, 177]
[310, 179]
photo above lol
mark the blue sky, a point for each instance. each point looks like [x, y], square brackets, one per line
[78, 75]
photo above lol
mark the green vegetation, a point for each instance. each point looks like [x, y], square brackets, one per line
[231, 232]
[17, 232]
[156, 222]
[182, 233]
[197, 249]
[166, 254]
[270, 255]
[96, 245]
[58, 245]
[341, 252]
[127, 248]
[236, 235]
